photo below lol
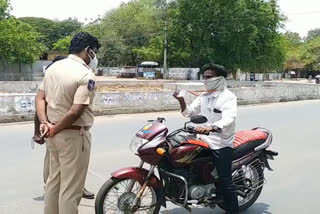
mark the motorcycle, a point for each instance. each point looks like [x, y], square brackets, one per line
[318, 79]
[186, 175]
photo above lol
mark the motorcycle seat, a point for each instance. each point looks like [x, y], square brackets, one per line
[246, 141]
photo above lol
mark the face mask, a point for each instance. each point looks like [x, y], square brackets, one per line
[93, 61]
[215, 83]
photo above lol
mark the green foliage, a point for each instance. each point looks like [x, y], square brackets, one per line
[293, 45]
[4, 9]
[19, 42]
[312, 34]
[238, 34]
[62, 44]
[125, 29]
[51, 30]
[154, 52]
[311, 54]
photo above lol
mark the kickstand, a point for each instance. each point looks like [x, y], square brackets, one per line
[188, 208]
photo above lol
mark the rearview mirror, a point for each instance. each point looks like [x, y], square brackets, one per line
[198, 119]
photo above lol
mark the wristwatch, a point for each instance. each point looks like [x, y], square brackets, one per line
[216, 129]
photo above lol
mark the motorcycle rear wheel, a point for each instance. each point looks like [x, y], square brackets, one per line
[113, 198]
[254, 196]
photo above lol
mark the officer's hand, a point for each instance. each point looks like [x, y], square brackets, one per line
[44, 130]
[51, 131]
[175, 95]
[203, 130]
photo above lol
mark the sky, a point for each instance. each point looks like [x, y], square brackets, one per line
[302, 15]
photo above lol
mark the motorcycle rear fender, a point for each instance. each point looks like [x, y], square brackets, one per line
[264, 158]
[140, 174]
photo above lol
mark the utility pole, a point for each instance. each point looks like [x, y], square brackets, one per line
[165, 66]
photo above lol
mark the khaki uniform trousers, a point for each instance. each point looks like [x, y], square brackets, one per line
[46, 166]
[69, 153]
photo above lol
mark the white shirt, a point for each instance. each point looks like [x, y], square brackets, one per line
[220, 108]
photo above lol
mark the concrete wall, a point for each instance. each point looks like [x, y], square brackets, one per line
[261, 76]
[174, 73]
[17, 107]
[16, 72]
[32, 86]
[183, 73]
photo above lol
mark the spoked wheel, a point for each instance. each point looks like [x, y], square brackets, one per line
[113, 197]
[249, 179]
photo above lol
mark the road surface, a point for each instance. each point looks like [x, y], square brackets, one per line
[291, 188]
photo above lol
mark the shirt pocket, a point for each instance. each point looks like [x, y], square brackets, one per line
[216, 114]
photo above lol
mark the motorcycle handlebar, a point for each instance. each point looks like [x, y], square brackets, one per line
[190, 129]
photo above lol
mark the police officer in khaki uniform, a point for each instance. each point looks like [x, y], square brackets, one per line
[40, 140]
[68, 88]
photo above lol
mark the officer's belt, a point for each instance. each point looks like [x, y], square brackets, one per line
[87, 128]
[78, 127]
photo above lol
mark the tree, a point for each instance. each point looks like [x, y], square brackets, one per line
[62, 44]
[312, 34]
[19, 42]
[154, 52]
[311, 54]
[129, 27]
[238, 34]
[51, 30]
[293, 38]
[68, 27]
[293, 50]
[4, 9]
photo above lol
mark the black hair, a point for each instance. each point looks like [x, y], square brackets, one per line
[56, 59]
[219, 69]
[82, 40]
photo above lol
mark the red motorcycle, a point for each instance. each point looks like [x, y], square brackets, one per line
[186, 174]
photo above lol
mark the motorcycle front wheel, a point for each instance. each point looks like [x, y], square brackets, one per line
[114, 197]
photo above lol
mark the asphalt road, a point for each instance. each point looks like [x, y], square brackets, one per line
[291, 188]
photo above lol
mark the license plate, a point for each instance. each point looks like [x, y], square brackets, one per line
[270, 157]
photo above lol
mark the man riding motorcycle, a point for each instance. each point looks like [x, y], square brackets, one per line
[219, 105]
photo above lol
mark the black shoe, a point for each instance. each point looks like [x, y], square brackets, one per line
[87, 194]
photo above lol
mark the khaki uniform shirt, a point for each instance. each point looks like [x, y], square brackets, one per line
[67, 82]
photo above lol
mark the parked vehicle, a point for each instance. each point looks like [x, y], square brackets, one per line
[318, 79]
[185, 174]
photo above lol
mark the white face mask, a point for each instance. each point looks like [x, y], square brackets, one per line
[93, 61]
[215, 83]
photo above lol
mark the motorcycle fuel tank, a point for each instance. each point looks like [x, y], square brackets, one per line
[184, 154]
[152, 130]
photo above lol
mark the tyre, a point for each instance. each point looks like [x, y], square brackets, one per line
[114, 198]
[253, 177]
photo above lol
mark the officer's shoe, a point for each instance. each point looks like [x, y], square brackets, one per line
[87, 194]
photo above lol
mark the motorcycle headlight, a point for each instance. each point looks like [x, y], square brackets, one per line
[136, 143]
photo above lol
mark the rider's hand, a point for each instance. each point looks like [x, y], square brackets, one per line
[175, 95]
[203, 130]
